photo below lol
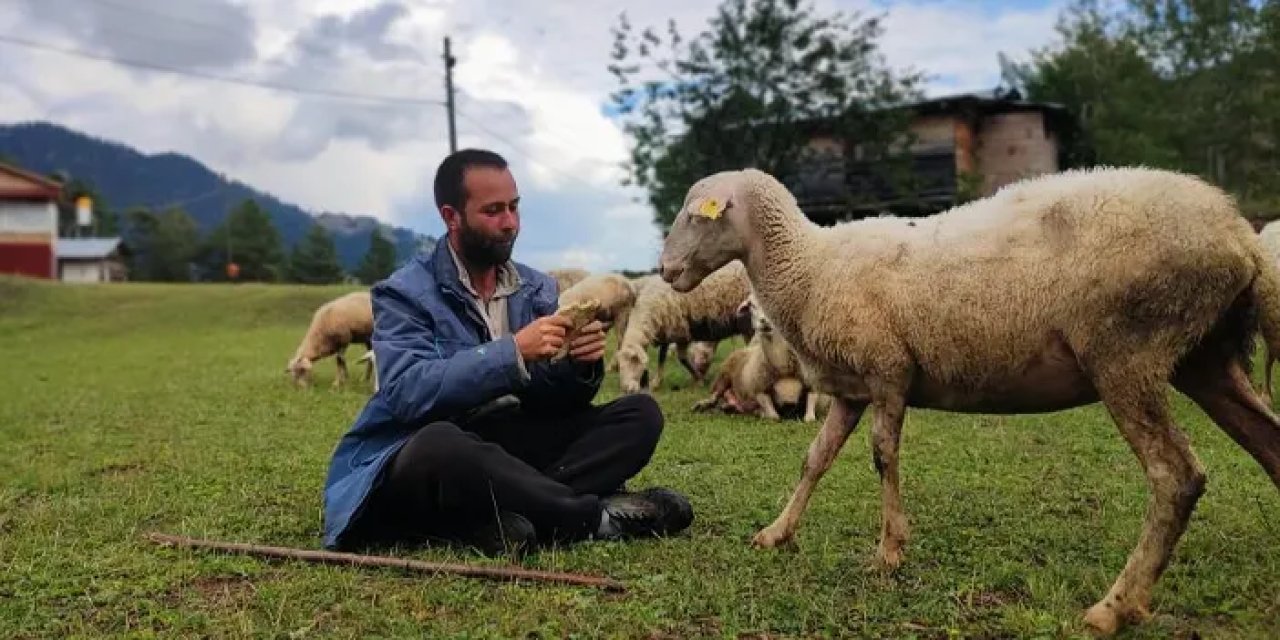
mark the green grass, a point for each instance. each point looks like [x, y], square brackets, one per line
[134, 408]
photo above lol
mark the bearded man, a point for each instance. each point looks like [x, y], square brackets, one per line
[477, 434]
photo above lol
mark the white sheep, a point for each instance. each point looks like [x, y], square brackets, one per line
[762, 376]
[1056, 292]
[662, 315]
[335, 325]
[1269, 236]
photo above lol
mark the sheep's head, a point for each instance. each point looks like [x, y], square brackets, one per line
[300, 369]
[759, 322]
[633, 368]
[700, 356]
[706, 233]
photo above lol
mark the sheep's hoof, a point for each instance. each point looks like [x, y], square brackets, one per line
[770, 538]
[888, 559]
[1106, 617]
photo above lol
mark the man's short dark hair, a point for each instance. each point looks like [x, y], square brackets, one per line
[449, 187]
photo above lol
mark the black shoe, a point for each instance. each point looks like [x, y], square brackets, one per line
[510, 533]
[652, 512]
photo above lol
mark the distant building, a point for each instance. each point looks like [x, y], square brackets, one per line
[28, 223]
[966, 145]
[88, 260]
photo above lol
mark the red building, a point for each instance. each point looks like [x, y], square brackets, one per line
[28, 223]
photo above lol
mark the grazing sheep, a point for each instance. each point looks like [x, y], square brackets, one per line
[335, 325]
[1269, 236]
[662, 315]
[699, 353]
[1056, 292]
[567, 277]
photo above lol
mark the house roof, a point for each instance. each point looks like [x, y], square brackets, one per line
[998, 98]
[20, 184]
[86, 248]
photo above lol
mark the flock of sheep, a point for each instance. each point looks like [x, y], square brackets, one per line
[1104, 285]
[761, 379]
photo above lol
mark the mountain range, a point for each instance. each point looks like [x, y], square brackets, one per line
[126, 178]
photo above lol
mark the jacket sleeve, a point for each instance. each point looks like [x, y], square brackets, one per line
[559, 385]
[416, 380]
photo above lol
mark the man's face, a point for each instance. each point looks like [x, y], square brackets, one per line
[490, 220]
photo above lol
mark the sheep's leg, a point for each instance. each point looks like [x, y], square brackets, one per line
[682, 354]
[662, 366]
[1176, 479]
[619, 330]
[341, 378]
[718, 390]
[1226, 394]
[886, 432]
[766, 406]
[841, 421]
[811, 406]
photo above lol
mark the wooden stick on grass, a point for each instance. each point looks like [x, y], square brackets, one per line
[333, 557]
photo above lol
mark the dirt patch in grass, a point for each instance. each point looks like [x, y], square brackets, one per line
[213, 591]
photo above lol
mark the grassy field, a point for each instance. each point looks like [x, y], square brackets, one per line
[138, 408]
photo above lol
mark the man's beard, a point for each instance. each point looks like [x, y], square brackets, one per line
[482, 251]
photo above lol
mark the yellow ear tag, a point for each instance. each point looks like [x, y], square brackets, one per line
[710, 208]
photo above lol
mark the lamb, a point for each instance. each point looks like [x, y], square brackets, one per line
[567, 277]
[662, 315]
[1056, 292]
[1269, 236]
[335, 325]
[757, 378]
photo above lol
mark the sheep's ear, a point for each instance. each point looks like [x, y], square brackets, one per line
[713, 204]
[742, 308]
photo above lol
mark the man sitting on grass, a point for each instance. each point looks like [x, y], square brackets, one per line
[476, 434]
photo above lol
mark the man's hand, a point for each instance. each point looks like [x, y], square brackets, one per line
[588, 345]
[543, 337]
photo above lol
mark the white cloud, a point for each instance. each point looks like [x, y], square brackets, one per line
[532, 74]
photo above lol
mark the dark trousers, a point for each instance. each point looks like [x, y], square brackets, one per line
[449, 479]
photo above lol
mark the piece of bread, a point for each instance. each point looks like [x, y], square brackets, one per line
[581, 314]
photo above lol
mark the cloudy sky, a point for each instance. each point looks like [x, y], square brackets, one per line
[530, 79]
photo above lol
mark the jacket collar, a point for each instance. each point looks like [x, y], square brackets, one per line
[445, 271]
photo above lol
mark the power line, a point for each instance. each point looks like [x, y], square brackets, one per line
[220, 78]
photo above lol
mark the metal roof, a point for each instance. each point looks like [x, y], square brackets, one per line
[86, 248]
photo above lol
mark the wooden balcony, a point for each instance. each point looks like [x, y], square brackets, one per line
[830, 188]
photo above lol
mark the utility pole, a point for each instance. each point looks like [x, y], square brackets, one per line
[449, 61]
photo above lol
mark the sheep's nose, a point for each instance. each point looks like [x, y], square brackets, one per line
[670, 272]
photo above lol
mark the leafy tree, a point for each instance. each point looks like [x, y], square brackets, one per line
[379, 261]
[1189, 85]
[315, 259]
[747, 92]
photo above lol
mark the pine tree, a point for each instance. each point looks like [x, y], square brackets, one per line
[315, 259]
